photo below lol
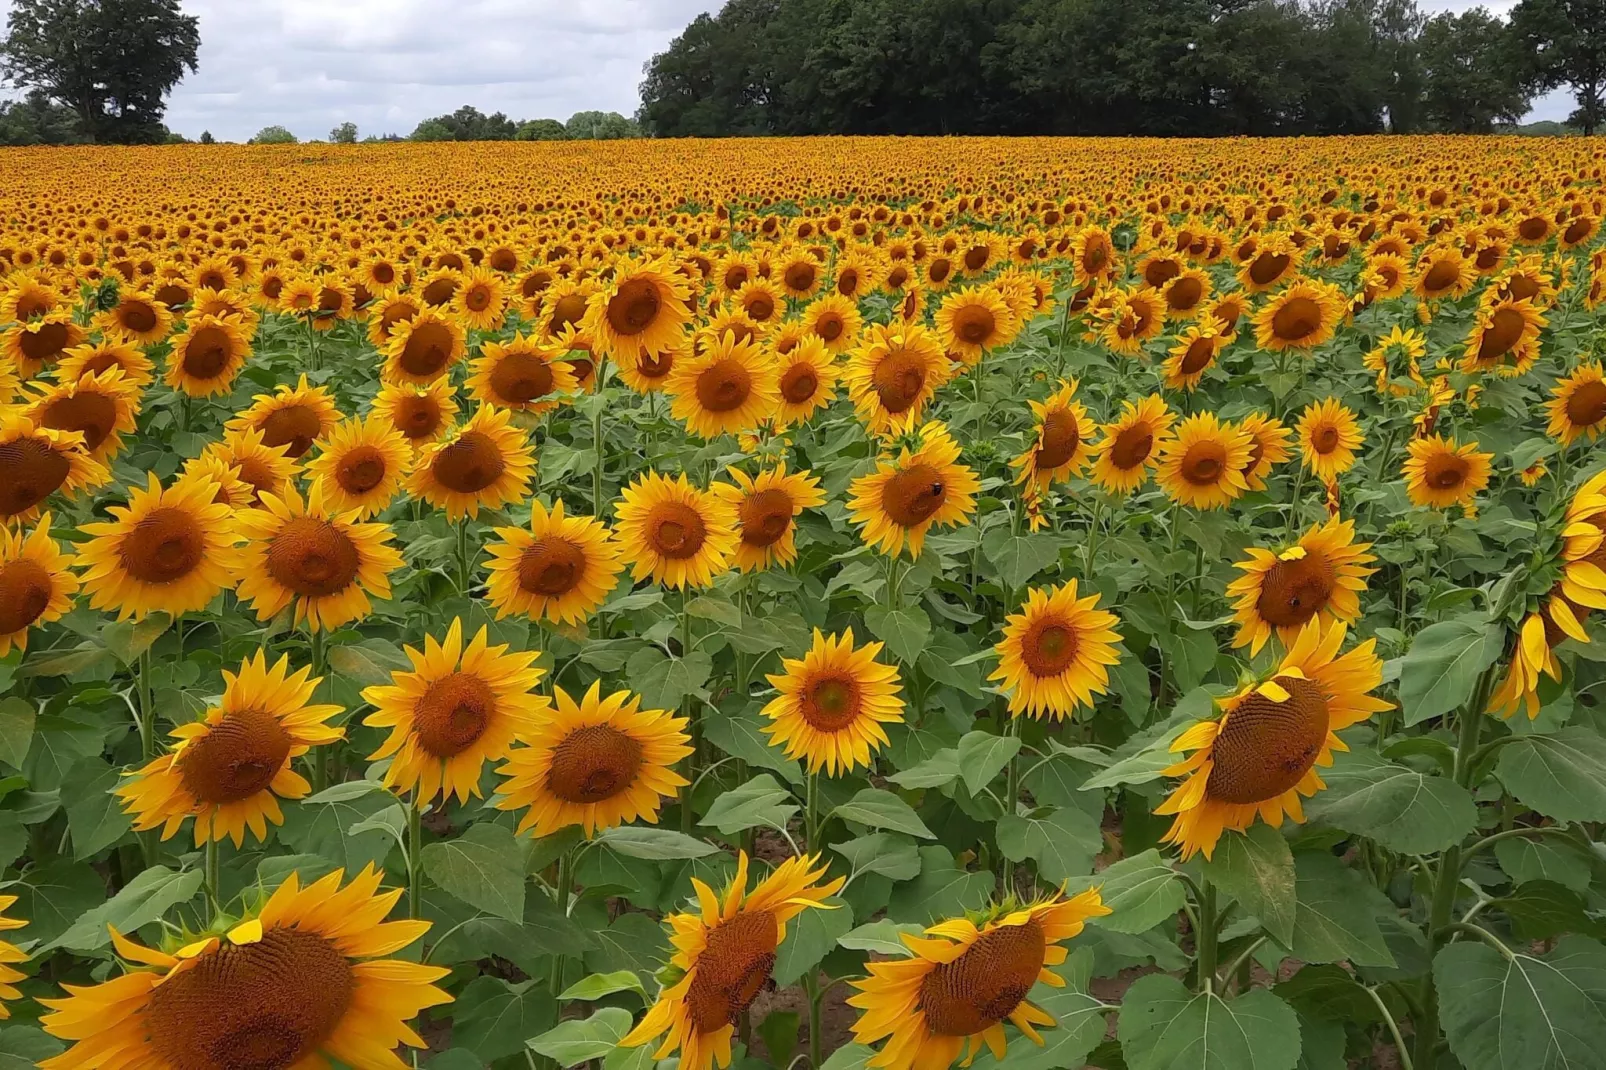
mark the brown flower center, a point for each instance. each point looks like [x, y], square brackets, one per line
[1184, 294]
[1159, 272]
[394, 313]
[592, 764]
[760, 307]
[25, 590]
[829, 326]
[1504, 331]
[294, 427]
[830, 702]
[1441, 276]
[634, 308]
[551, 566]
[1267, 747]
[360, 470]
[675, 530]
[477, 298]
[1200, 352]
[167, 545]
[470, 464]
[207, 354]
[426, 351]
[724, 385]
[1049, 646]
[1204, 464]
[734, 967]
[519, 378]
[1297, 319]
[417, 416]
[569, 309]
[453, 714]
[1268, 268]
[913, 496]
[88, 411]
[984, 985]
[312, 557]
[765, 516]
[799, 383]
[1132, 446]
[1325, 438]
[1586, 404]
[1445, 471]
[1057, 442]
[974, 324]
[136, 316]
[238, 757]
[847, 282]
[1292, 592]
[939, 270]
[439, 292]
[976, 257]
[45, 343]
[898, 380]
[800, 276]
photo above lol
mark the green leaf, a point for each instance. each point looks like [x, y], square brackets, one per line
[604, 984]
[881, 809]
[905, 630]
[13, 837]
[1147, 764]
[575, 1041]
[778, 1030]
[494, 1019]
[1019, 557]
[1141, 892]
[484, 867]
[59, 743]
[641, 841]
[942, 890]
[718, 610]
[1337, 915]
[54, 896]
[1328, 991]
[849, 1057]
[939, 769]
[759, 802]
[1192, 653]
[1257, 869]
[811, 935]
[368, 661]
[982, 756]
[1524, 1012]
[632, 942]
[1562, 776]
[25, 1047]
[319, 827]
[16, 730]
[887, 853]
[1542, 910]
[127, 641]
[94, 815]
[1321, 1045]
[1400, 808]
[1079, 1022]
[146, 898]
[1438, 673]
[1163, 1026]
[664, 681]
[1534, 859]
[881, 937]
[1062, 842]
[741, 736]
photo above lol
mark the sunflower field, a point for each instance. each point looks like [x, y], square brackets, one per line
[833, 603]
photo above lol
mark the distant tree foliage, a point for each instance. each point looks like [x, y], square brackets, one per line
[273, 135]
[1563, 43]
[344, 134]
[113, 62]
[470, 124]
[1155, 67]
[540, 130]
[37, 120]
[600, 126]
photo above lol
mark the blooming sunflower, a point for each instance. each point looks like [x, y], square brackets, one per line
[1532, 656]
[99, 407]
[292, 418]
[1398, 356]
[800, 274]
[169, 550]
[832, 703]
[1441, 473]
[297, 984]
[207, 355]
[424, 348]
[26, 297]
[93, 358]
[595, 763]
[229, 769]
[561, 568]
[1056, 652]
[1202, 465]
[649, 373]
[36, 584]
[265, 469]
[520, 374]
[1302, 316]
[387, 310]
[900, 501]
[137, 317]
[360, 465]
[422, 413]
[37, 344]
[1504, 338]
[761, 300]
[1320, 576]
[1131, 318]
[1093, 255]
[1443, 272]
[724, 956]
[480, 302]
[894, 374]
[1329, 435]
[1194, 354]
[766, 510]
[456, 709]
[834, 320]
[1058, 449]
[1259, 756]
[1185, 293]
[1273, 259]
[563, 306]
[973, 320]
[643, 310]
[9, 954]
[1578, 405]
[1131, 444]
[806, 382]
[965, 977]
[675, 533]
[487, 462]
[732, 386]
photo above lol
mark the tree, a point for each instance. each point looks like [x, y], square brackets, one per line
[344, 134]
[600, 126]
[207, 138]
[1469, 79]
[273, 135]
[540, 130]
[37, 120]
[112, 61]
[432, 130]
[1563, 43]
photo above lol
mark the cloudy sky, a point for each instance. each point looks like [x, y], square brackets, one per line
[386, 64]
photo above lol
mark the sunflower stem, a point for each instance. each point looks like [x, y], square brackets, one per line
[316, 640]
[214, 905]
[560, 893]
[463, 561]
[695, 722]
[1205, 937]
[811, 988]
[811, 814]
[596, 440]
[1294, 503]
[415, 843]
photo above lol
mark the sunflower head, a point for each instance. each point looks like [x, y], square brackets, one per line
[39, 343]
[1060, 448]
[521, 374]
[832, 704]
[1056, 652]
[1302, 316]
[207, 355]
[766, 510]
[486, 462]
[675, 533]
[424, 348]
[1319, 577]
[900, 501]
[1329, 435]
[1203, 464]
[360, 465]
[99, 407]
[731, 386]
[36, 584]
[292, 418]
[894, 374]
[560, 569]
[1440, 473]
[1131, 444]
[643, 310]
[1578, 405]
[974, 320]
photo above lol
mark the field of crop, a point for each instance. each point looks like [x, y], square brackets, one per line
[873, 603]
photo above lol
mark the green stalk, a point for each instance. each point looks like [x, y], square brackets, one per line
[560, 892]
[1294, 503]
[147, 738]
[415, 843]
[464, 562]
[693, 720]
[811, 814]
[320, 771]
[1205, 937]
[811, 988]
[214, 904]
[596, 439]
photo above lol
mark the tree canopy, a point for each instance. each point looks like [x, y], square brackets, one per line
[470, 124]
[1563, 43]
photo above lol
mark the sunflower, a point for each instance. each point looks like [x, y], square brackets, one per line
[1058, 448]
[1274, 258]
[1302, 316]
[1055, 652]
[292, 418]
[1259, 756]
[965, 977]
[36, 584]
[799, 273]
[561, 568]
[1194, 354]
[1386, 277]
[1504, 338]
[1441, 473]
[480, 302]
[1531, 657]
[456, 709]
[27, 297]
[1443, 272]
[974, 320]
[326, 563]
[9, 954]
[296, 985]
[675, 533]
[1329, 435]
[595, 763]
[137, 318]
[723, 959]
[766, 510]
[1132, 318]
[978, 253]
[1203, 464]
[229, 769]
[487, 462]
[99, 407]
[732, 386]
[422, 413]
[424, 348]
[333, 301]
[643, 310]
[1578, 407]
[169, 550]
[387, 310]
[835, 321]
[858, 272]
[1185, 293]
[832, 703]
[563, 305]
[648, 373]
[1320, 576]
[1131, 445]
[39, 343]
[214, 467]
[520, 374]
[893, 376]
[1397, 360]
[360, 465]
[806, 381]
[905, 496]
[1229, 309]
[93, 358]
[265, 469]
[207, 355]
[761, 300]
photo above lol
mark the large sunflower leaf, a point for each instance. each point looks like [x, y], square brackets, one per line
[1518, 1011]
[1257, 869]
[1562, 776]
[1163, 1026]
[1398, 807]
[1440, 670]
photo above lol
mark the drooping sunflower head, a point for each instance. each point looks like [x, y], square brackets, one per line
[207, 355]
[39, 343]
[1202, 465]
[1301, 316]
[455, 709]
[900, 501]
[1056, 652]
[1397, 360]
[486, 462]
[36, 584]
[835, 320]
[894, 374]
[424, 348]
[291, 418]
[806, 381]
[1318, 578]
[1260, 754]
[1329, 434]
[521, 374]
[1578, 405]
[832, 703]
[731, 386]
[1060, 448]
[596, 763]
[360, 465]
[99, 407]
[1441, 473]
[561, 568]
[1504, 338]
[643, 310]
[766, 511]
[1131, 444]
[1194, 354]
[973, 320]
[675, 533]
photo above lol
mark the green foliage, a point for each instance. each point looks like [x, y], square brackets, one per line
[273, 135]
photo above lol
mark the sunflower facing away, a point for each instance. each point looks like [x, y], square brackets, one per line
[455, 710]
[360, 466]
[325, 563]
[1131, 444]
[1268, 447]
[1329, 435]
[677, 534]
[485, 463]
[291, 418]
[900, 501]
[298, 984]
[963, 979]
[560, 568]
[36, 584]
[520, 374]
[229, 769]
[1578, 405]
[595, 763]
[1397, 360]
[724, 955]
[1059, 448]
[733, 386]
[1441, 473]
[36, 462]
[832, 703]
[1259, 756]
[1519, 688]
[1202, 465]
[766, 510]
[1319, 577]
[893, 376]
[807, 382]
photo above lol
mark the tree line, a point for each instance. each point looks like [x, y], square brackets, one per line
[1148, 67]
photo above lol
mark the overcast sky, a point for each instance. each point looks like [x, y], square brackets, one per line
[386, 64]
